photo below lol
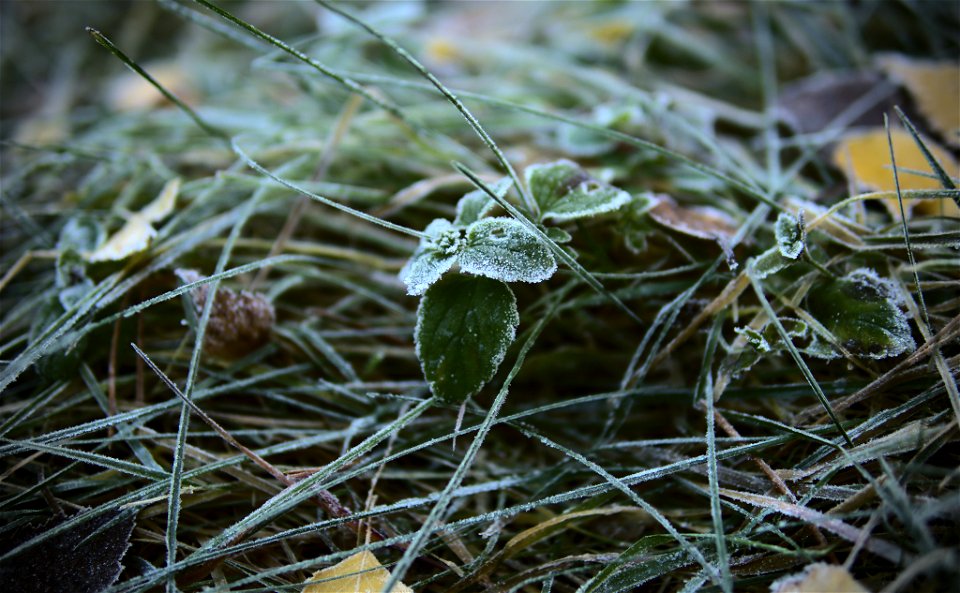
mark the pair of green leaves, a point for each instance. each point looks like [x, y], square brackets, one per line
[465, 323]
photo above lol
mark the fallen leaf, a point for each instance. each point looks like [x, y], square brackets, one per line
[360, 573]
[84, 558]
[866, 156]
[612, 32]
[162, 206]
[935, 88]
[702, 222]
[137, 233]
[240, 322]
[819, 578]
[131, 92]
[813, 103]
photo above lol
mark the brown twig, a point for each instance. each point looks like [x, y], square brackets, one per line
[774, 478]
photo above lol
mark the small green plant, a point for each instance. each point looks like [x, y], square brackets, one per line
[465, 326]
[703, 338]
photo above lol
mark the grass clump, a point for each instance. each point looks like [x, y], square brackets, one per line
[516, 296]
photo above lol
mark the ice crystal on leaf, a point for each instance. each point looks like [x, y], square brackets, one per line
[435, 255]
[502, 249]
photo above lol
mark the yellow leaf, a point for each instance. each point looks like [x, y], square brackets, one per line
[612, 32]
[819, 578]
[163, 204]
[360, 573]
[131, 92]
[866, 156]
[442, 51]
[135, 235]
[935, 88]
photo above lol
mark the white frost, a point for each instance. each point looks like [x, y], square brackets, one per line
[502, 249]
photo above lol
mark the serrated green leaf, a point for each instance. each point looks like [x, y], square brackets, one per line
[424, 268]
[789, 234]
[502, 249]
[464, 326]
[861, 311]
[477, 204]
[557, 235]
[564, 191]
[756, 339]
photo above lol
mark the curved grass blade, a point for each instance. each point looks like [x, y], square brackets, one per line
[206, 127]
[449, 96]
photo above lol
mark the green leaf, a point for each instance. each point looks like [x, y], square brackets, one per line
[477, 204]
[71, 280]
[424, 268]
[464, 326]
[502, 249]
[789, 232]
[754, 338]
[862, 313]
[564, 191]
[584, 142]
[768, 263]
[435, 255]
[81, 234]
[61, 364]
[557, 235]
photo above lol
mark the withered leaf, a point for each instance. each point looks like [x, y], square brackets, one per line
[84, 558]
[360, 573]
[819, 578]
[866, 156]
[240, 322]
[934, 86]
